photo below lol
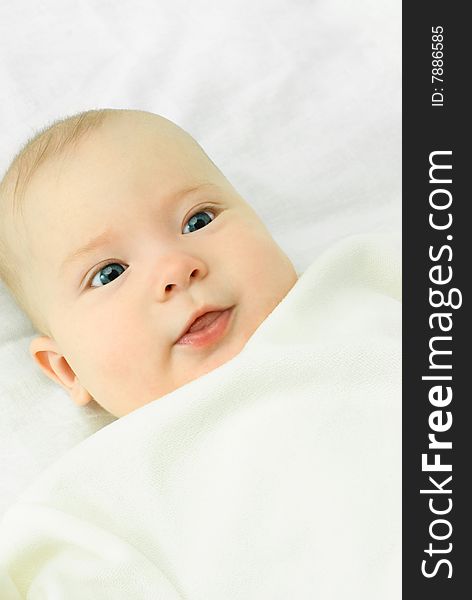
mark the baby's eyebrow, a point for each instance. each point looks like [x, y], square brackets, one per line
[93, 244]
[107, 236]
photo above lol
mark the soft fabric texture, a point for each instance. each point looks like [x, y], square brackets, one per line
[275, 476]
[298, 103]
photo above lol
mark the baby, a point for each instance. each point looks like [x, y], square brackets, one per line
[127, 201]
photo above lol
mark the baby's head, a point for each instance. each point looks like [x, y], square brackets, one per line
[117, 232]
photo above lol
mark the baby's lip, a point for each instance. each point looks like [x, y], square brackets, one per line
[199, 313]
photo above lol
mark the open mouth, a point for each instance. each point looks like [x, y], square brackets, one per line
[207, 328]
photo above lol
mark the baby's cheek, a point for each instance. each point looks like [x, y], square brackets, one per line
[112, 371]
[260, 259]
[266, 278]
[117, 349]
[97, 347]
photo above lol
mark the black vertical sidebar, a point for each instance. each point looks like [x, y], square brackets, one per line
[437, 331]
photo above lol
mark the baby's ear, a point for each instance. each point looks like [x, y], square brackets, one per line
[47, 355]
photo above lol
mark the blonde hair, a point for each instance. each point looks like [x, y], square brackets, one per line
[48, 143]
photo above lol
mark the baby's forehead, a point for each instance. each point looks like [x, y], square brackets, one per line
[134, 155]
[135, 149]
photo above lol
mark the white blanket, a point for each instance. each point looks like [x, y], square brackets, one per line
[275, 476]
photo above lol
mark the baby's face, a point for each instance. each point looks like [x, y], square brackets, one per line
[130, 237]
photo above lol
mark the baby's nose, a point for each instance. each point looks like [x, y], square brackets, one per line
[178, 272]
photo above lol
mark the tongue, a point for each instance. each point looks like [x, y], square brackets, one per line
[204, 321]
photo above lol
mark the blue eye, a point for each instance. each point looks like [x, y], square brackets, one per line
[199, 220]
[107, 274]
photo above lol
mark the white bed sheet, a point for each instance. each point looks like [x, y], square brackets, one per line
[298, 102]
